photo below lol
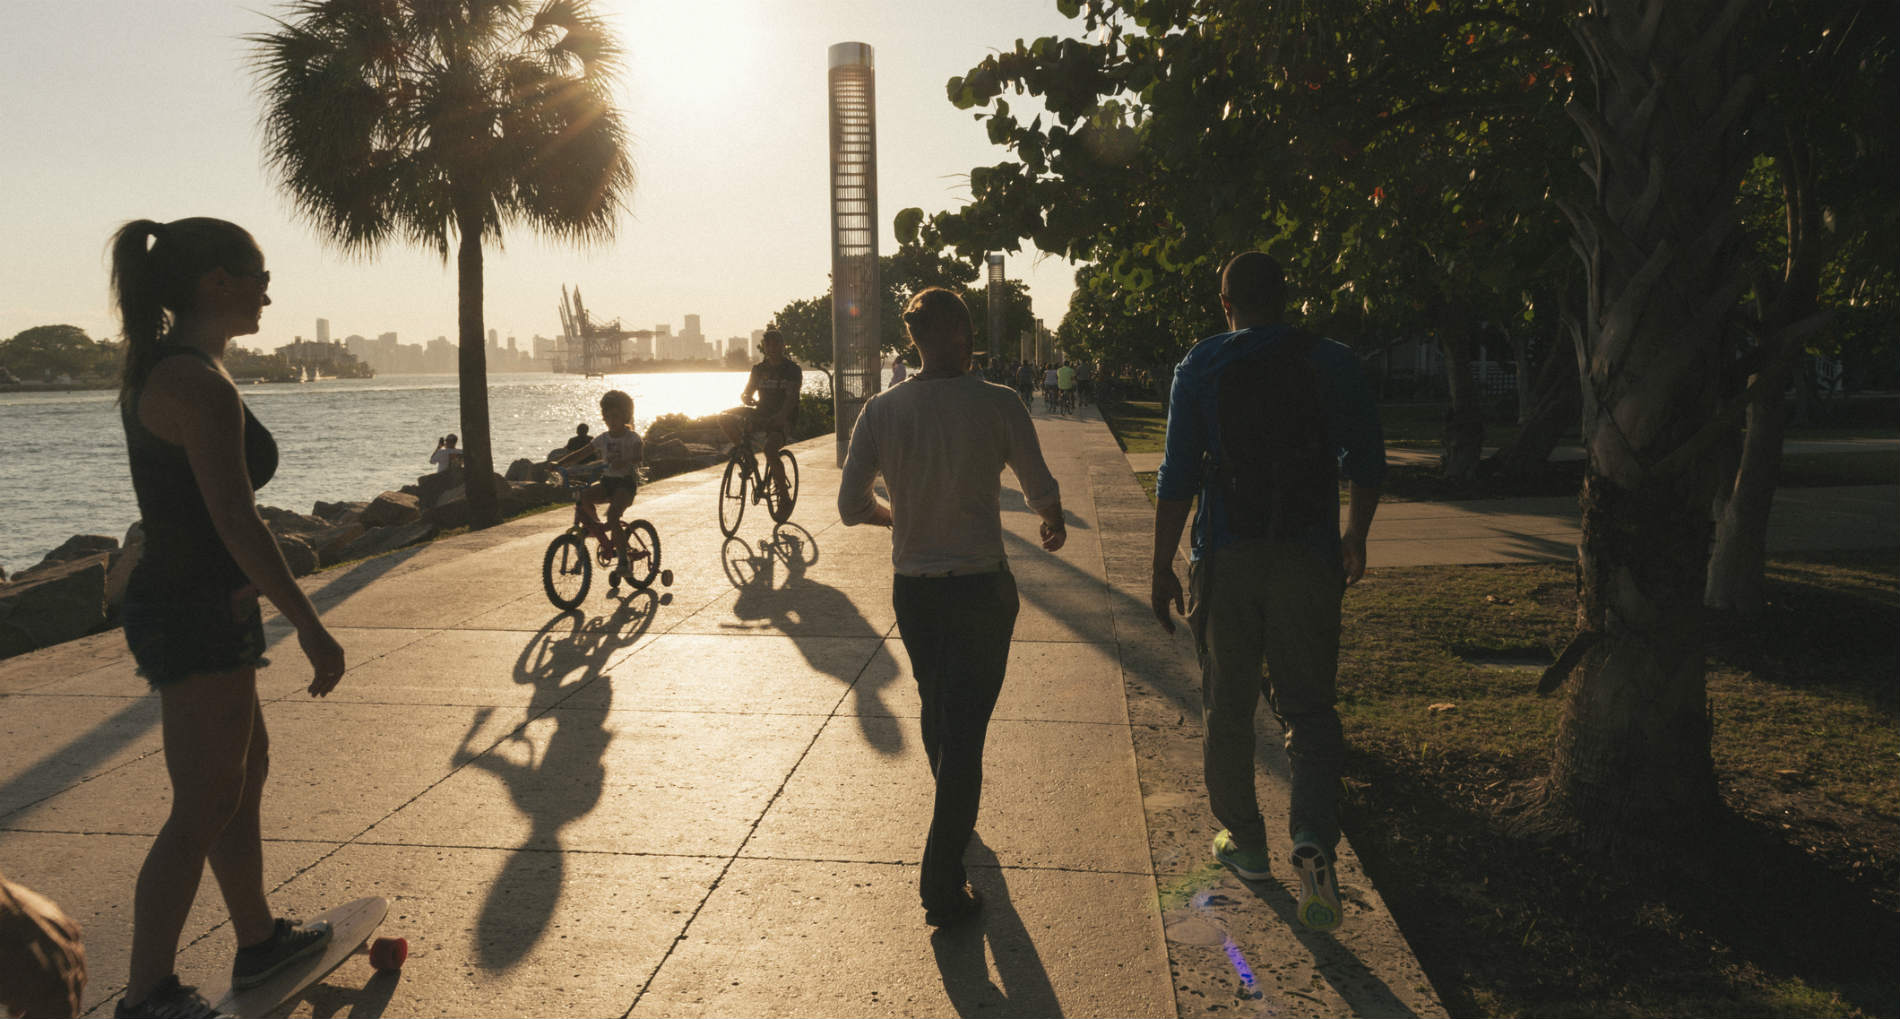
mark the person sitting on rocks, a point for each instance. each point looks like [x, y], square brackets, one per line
[579, 440]
[446, 457]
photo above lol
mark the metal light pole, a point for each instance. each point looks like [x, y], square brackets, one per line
[855, 297]
[995, 262]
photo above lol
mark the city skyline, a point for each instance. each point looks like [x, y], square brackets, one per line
[156, 116]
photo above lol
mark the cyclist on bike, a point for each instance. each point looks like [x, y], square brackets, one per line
[771, 404]
[621, 449]
[1085, 382]
[1049, 384]
[1065, 388]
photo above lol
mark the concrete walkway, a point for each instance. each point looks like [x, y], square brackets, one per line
[1546, 528]
[712, 800]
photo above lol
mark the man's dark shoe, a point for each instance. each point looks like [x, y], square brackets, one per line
[289, 941]
[967, 903]
[171, 1000]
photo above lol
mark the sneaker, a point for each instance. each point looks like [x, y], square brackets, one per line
[289, 942]
[1250, 864]
[171, 1000]
[1319, 889]
[967, 904]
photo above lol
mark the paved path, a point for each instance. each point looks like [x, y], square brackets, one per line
[1546, 528]
[712, 802]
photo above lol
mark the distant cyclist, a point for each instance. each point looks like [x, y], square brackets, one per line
[1065, 388]
[1049, 383]
[771, 404]
[1085, 382]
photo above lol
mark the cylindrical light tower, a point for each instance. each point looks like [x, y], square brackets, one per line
[855, 340]
[995, 262]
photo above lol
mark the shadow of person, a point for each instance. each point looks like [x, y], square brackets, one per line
[776, 588]
[327, 1002]
[1021, 987]
[1335, 962]
[554, 783]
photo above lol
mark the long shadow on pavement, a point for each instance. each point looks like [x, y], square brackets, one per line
[1025, 990]
[86, 751]
[559, 785]
[812, 614]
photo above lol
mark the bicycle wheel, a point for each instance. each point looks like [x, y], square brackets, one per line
[567, 570]
[732, 497]
[781, 509]
[637, 568]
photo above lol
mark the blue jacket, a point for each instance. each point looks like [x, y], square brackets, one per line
[1194, 436]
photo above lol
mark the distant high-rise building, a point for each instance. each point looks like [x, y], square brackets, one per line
[494, 340]
[323, 330]
[692, 326]
[511, 345]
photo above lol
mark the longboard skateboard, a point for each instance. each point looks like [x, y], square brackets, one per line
[351, 925]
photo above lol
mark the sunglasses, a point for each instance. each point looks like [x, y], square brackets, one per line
[262, 277]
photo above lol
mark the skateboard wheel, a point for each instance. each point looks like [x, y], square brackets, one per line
[388, 953]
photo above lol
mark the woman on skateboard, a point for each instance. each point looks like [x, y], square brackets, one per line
[183, 290]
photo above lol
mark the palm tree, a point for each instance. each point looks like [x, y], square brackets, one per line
[432, 120]
[1662, 252]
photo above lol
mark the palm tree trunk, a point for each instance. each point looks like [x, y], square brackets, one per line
[1665, 271]
[472, 374]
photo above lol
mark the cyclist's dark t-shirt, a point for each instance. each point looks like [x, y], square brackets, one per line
[775, 385]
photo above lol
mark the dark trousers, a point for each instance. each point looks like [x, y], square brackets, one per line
[956, 631]
[1277, 602]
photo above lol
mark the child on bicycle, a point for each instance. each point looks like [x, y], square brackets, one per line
[621, 450]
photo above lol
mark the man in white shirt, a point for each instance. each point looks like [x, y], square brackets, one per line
[941, 441]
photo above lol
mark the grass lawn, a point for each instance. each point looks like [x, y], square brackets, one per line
[1140, 426]
[1789, 906]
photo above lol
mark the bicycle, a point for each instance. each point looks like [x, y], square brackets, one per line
[567, 570]
[1065, 402]
[745, 483]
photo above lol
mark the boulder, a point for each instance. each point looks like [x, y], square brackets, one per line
[387, 539]
[339, 512]
[298, 554]
[669, 448]
[415, 490]
[391, 509]
[525, 469]
[61, 602]
[283, 521]
[331, 542]
[429, 487]
[79, 546]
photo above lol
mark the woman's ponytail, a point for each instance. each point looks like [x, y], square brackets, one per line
[137, 292]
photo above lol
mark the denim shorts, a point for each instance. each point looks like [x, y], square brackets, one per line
[171, 640]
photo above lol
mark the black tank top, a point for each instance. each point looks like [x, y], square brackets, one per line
[184, 559]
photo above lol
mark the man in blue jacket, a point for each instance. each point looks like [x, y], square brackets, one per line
[1263, 589]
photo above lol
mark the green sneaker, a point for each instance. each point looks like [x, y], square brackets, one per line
[1250, 864]
[1319, 889]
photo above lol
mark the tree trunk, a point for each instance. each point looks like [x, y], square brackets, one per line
[1521, 357]
[1665, 271]
[472, 374]
[1464, 422]
[1553, 410]
[1737, 580]
[1737, 565]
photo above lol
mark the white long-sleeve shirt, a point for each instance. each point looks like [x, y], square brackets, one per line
[941, 444]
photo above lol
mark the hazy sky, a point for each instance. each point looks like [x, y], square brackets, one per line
[120, 109]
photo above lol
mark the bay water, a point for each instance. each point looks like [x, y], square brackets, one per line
[62, 456]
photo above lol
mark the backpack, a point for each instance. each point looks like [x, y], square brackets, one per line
[1279, 473]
